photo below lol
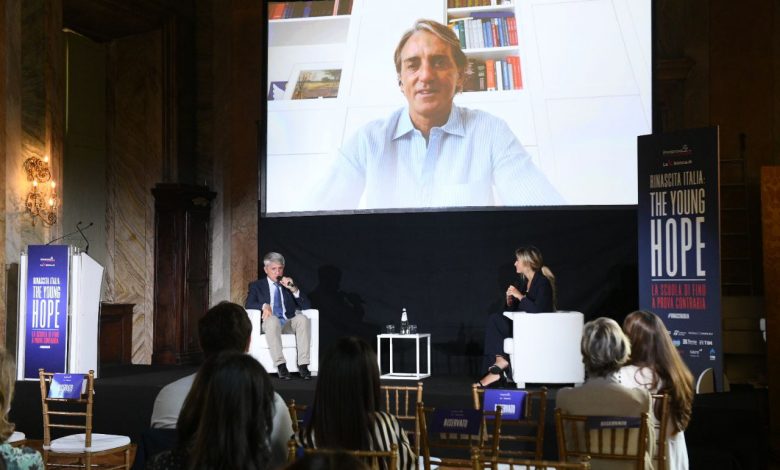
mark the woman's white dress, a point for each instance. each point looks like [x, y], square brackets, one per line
[676, 451]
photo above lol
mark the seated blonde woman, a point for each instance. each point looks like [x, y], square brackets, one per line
[605, 348]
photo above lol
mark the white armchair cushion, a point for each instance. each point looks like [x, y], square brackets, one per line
[16, 436]
[545, 347]
[258, 346]
[100, 442]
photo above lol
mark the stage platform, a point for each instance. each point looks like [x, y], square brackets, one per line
[727, 430]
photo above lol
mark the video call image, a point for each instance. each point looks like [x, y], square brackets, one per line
[491, 103]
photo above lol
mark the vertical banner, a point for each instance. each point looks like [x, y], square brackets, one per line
[679, 242]
[46, 319]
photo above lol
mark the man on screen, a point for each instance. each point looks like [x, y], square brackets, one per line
[432, 153]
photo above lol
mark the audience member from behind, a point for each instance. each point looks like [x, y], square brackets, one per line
[345, 413]
[656, 366]
[225, 327]
[338, 460]
[534, 293]
[226, 419]
[12, 457]
[605, 348]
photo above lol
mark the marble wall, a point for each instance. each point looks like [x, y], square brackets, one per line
[33, 116]
[134, 167]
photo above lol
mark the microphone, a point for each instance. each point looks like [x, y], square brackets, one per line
[289, 286]
[64, 236]
[78, 227]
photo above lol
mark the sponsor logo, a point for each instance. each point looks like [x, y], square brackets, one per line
[712, 354]
[678, 157]
[47, 262]
[679, 316]
[678, 333]
[683, 151]
[676, 343]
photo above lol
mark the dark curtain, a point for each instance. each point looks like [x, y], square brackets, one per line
[450, 269]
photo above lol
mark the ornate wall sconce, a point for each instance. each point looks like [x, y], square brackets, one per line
[42, 199]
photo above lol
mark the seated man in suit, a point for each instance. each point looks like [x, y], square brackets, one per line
[280, 299]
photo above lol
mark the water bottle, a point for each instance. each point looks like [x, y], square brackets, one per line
[404, 323]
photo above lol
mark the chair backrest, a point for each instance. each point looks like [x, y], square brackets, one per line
[481, 463]
[375, 459]
[297, 413]
[451, 434]
[522, 437]
[661, 410]
[401, 402]
[616, 438]
[67, 413]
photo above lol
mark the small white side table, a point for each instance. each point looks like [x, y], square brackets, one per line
[404, 375]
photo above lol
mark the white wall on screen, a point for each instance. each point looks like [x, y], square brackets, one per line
[313, 131]
[596, 165]
[293, 175]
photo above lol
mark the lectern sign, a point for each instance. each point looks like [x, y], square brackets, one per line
[46, 321]
[679, 241]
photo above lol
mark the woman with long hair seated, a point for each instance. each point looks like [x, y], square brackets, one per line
[534, 293]
[345, 413]
[226, 419]
[605, 349]
[22, 458]
[656, 366]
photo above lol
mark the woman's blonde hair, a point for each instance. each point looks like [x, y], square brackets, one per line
[532, 256]
[7, 382]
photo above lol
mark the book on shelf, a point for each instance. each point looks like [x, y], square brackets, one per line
[517, 73]
[493, 74]
[490, 66]
[512, 24]
[486, 29]
[308, 9]
[476, 3]
[481, 76]
[470, 77]
[499, 75]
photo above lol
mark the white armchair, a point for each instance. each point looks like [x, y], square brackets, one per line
[545, 347]
[258, 346]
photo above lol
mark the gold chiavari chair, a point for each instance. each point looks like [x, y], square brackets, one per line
[523, 437]
[297, 412]
[452, 448]
[482, 463]
[661, 411]
[373, 458]
[76, 413]
[401, 402]
[612, 438]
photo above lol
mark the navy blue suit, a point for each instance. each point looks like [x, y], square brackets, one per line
[538, 299]
[259, 295]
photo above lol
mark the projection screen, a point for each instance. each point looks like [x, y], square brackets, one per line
[555, 95]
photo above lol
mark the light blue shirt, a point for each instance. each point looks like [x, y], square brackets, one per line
[463, 162]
